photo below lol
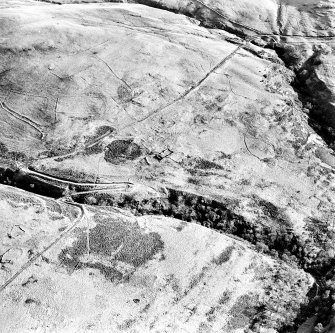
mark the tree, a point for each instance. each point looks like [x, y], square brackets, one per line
[318, 328]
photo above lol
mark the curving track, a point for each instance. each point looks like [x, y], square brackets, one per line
[24, 119]
[87, 146]
[68, 182]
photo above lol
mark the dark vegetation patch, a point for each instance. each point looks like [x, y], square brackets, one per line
[29, 281]
[201, 163]
[275, 237]
[60, 147]
[29, 183]
[225, 297]
[126, 325]
[224, 256]
[181, 226]
[101, 130]
[269, 209]
[215, 310]
[320, 231]
[196, 279]
[120, 151]
[4, 72]
[13, 155]
[41, 47]
[273, 212]
[32, 301]
[124, 93]
[242, 311]
[313, 93]
[55, 207]
[115, 241]
[195, 180]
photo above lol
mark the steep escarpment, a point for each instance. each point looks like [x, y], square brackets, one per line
[273, 235]
[315, 84]
[214, 283]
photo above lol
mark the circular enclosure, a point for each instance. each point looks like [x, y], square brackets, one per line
[120, 151]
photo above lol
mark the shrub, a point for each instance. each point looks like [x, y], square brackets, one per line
[224, 256]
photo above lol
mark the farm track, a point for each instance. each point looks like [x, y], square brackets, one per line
[192, 88]
[259, 32]
[120, 189]
[36, 256]
[179, 98]
[98, 140]
[198, 84]
[87, 146]
[182, 96]
[22, 116]
[68, 182]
